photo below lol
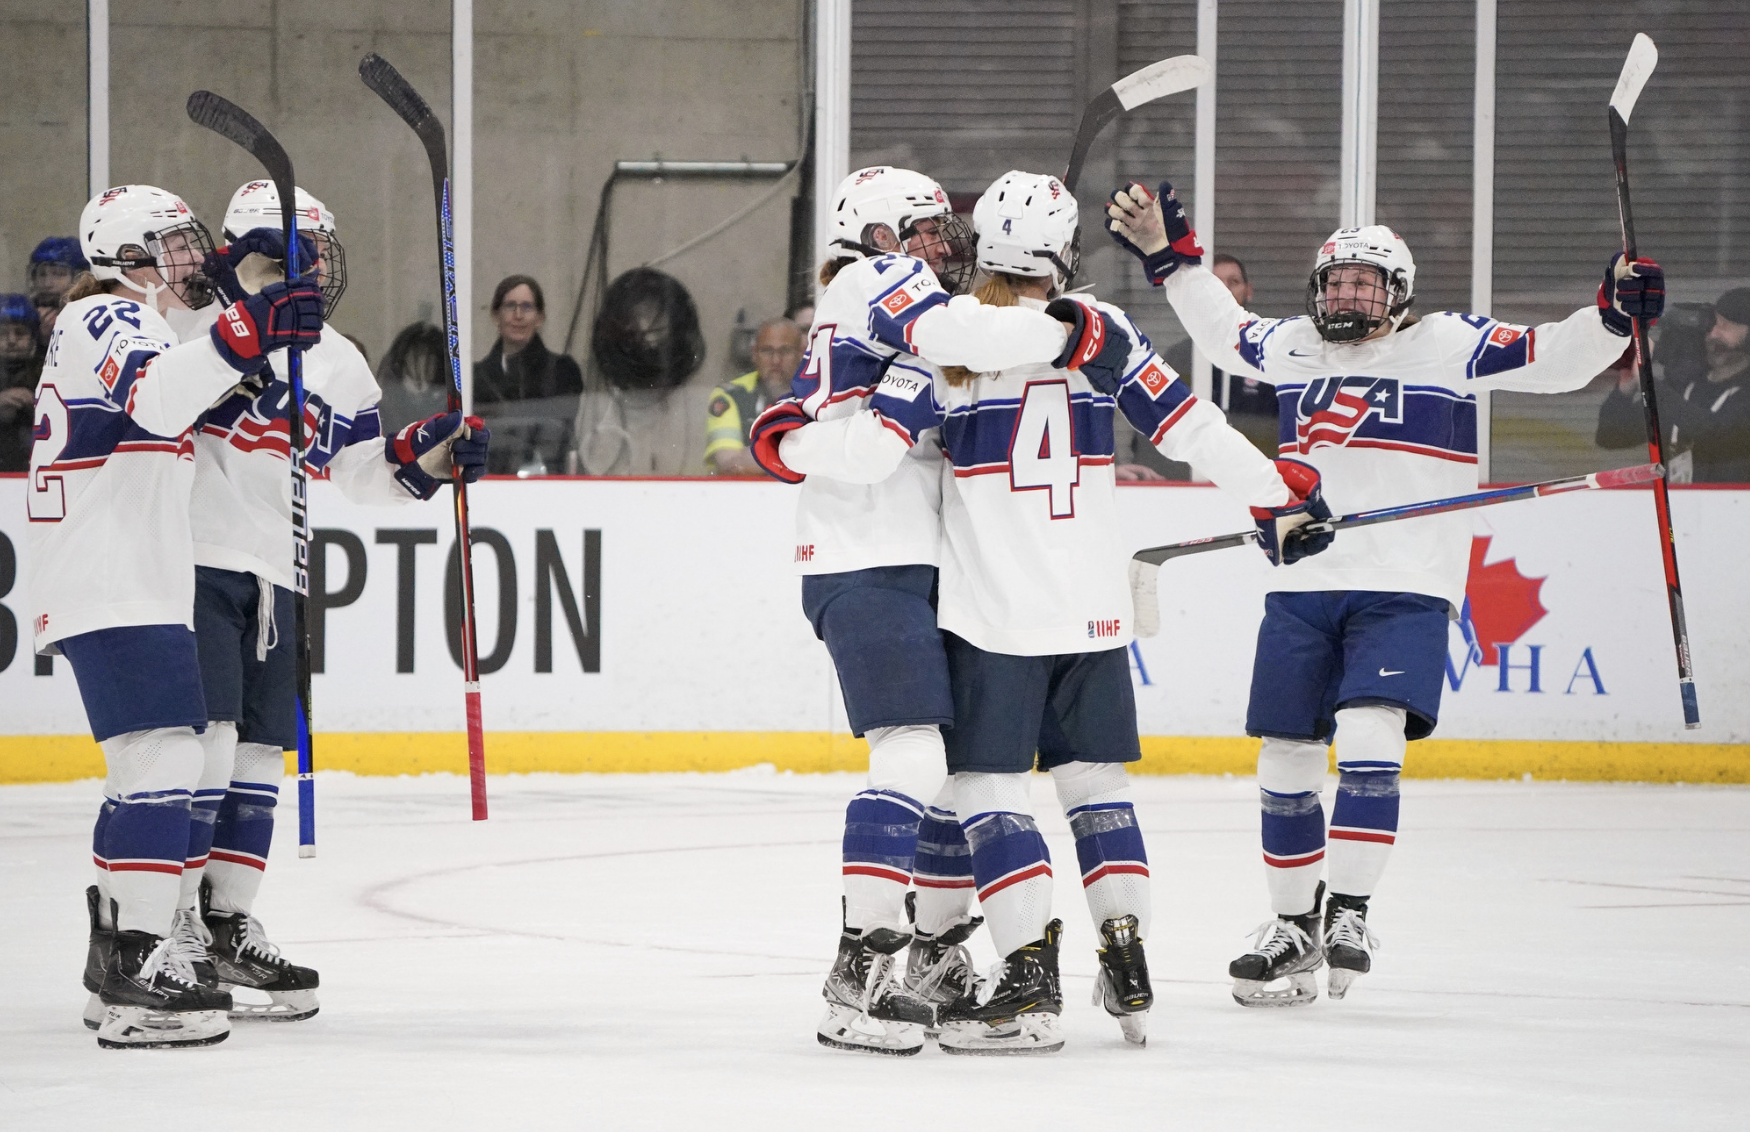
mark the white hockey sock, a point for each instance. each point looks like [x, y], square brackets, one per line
[145, 839]
[906, 765]
[244, 831]
[1009, 860]
[1096, 800]
[1364, 821]
[1290, 776]
[942, 882]
[218, 751]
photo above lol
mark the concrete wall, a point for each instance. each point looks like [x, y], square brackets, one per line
[562, 90]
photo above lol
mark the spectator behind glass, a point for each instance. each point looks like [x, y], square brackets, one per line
[55, 263]
[20, 364]
[414, 376]
[1702, 377]
[777, 351]
[802, 314]
[527, 393]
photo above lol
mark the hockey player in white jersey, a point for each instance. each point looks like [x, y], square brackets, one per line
[241, 520]
[1354, 644]
[868, 552]
[112, 571]
[1036, 612]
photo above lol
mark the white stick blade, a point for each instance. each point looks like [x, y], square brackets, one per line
[1636, 70]
[1169, 76]
[1145, 598]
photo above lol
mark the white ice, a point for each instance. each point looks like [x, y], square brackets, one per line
[646, 952]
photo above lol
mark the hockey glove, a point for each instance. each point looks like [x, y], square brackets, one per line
[1280, 534]
[1153, 228]
[769, 429]
[426, 454]
[1097, 345]
[251, 262]
[283, 316]
[1631, 291]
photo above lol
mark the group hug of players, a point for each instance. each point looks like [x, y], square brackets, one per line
[161, 566]
[962, 559]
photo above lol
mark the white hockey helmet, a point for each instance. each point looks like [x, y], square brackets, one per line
[1027, 224]
[256, 204]
[138, 226]
[903, 200]
[1356, 317]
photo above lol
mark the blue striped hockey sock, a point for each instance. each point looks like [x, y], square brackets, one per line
[1113, 861]
[943, 877]
[881, 841]
[1294, 848]
[1012, 869]
[1364, 827]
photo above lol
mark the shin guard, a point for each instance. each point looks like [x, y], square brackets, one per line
[243, 832]
[1290, 775]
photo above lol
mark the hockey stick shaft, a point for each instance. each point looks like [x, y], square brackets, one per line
[229, 120]
[1642, 58]
[1621, 477]
[389, 85]
[1157, 80]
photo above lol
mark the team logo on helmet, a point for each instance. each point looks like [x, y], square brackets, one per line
[111, 194]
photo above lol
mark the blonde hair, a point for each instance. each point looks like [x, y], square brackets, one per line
[997, 290]
[86, 285]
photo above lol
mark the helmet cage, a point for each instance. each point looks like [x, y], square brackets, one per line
[1374, 312]
[193, 287]
[959, 261]
[332, 279]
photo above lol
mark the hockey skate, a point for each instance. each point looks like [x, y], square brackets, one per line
[246, 961]
[1016, 1010]
[1122, 986]
[96, 958]
[1286, 947]
[1349, 943]
[867, 1010]
[152, 1000]
[938, 968]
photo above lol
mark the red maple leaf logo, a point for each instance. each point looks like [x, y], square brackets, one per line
[1504, 604]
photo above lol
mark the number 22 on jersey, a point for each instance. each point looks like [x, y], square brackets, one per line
[1042, 453]
[46, 501]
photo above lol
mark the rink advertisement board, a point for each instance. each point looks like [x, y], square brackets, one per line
[654, 617]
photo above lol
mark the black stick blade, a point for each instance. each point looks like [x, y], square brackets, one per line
[1095, 117]
[382, 77]
[230, 121]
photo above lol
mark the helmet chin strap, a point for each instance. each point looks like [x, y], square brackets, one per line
[150, 290]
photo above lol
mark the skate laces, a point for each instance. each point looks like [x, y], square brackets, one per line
[1349, 929]
[1275, 936]
[880, 968]
[169, 958]
[254, 940]
[189, 939]
[952, 959]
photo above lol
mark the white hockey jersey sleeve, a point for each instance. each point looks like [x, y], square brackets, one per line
[1230, 336]
[1554, 357]
[1161, 406]
[357, 465]
[866, 447]
[160, 386]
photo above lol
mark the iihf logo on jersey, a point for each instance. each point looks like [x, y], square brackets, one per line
[1332, 408]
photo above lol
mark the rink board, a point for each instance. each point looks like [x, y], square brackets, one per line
[691, 652]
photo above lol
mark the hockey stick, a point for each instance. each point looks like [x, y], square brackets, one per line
[1145, 564]
[1157, 80]
[405, 101]
[230, 120]
[1636, 69]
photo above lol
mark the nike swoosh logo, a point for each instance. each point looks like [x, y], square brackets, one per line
[1383, 672]
[1299, 354]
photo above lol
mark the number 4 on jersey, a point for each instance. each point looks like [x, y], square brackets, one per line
[1042, 453]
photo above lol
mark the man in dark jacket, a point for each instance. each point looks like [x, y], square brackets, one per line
[1704, 394]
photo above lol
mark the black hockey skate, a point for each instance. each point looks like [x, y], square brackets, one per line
[1122, 987]
[1348, 942]
[152, 1000]
[1286, 947]
[245, 960]
[102, 943]
[867, 1010]
[938, 968]
[1016, 1012]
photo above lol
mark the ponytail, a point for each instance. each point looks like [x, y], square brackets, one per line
[997, 290]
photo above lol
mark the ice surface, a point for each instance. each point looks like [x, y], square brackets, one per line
[646, 952]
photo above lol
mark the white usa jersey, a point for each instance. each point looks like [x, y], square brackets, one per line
[242, 504]
[1034, 560]
[874, 313]
[1390, 421]
[111, 465]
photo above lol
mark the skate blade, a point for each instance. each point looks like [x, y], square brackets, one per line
[141, 1027]
[1134, 1027]
[846, 1029]
[1338, 982]
[1023, 1035]
[281, 1006]
[1301, 990]
[94, 1009]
